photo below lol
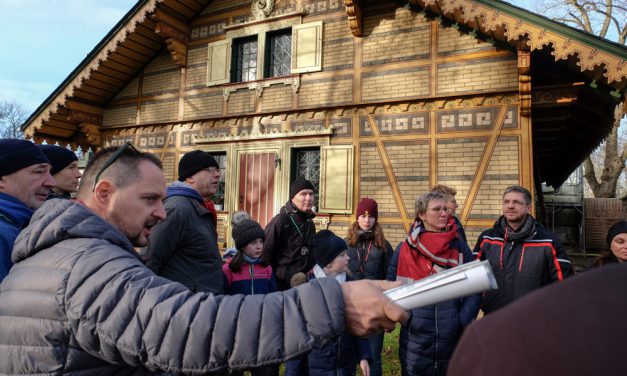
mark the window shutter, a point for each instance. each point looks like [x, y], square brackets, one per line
[219, 62]
[307, 47]
[336, 180]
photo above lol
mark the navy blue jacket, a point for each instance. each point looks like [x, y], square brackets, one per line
[14, 216]
[339, 357]
[427, 341]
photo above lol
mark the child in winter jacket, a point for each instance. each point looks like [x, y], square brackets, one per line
[247, 274]
[341, 356]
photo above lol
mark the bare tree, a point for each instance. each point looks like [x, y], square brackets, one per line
[607, 19]
[12, 116]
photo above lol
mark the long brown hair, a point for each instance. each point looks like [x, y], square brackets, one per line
[353, 235]
[606, 258]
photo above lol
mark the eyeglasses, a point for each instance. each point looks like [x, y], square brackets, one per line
[111, 160]
[212, 170]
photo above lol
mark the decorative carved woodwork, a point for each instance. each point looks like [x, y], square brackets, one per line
[178, 51]
[84, 117]
[165, 30]
[355, 18]
[92, 133]
[524, 79]
[261, 9]
[176, 42]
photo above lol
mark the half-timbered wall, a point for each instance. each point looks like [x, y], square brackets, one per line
[420, 103]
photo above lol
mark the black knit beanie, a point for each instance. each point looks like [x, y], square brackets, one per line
[195, 161]
[58, 156]
[245, 232]
[298, 185]
[18, 154]
[619, 227]
[326, 247]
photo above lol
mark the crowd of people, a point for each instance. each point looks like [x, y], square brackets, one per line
[76, 296]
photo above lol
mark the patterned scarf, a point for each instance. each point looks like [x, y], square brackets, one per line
[526, 231]
[425, 252]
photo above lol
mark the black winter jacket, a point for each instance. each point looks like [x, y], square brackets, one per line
[367, 260]
[79, 301]
[285, 244]
[520, 266]
[427, 341]
[184, 247]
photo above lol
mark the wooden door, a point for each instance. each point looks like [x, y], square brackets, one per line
[256, 186]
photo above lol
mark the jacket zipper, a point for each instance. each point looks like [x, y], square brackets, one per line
[522, 256]
[252, 278]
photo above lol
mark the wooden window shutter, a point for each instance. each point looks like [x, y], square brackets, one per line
[219, 62]
[307, 47]
[336, 180]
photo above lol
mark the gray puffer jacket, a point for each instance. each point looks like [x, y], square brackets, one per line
[80, 302]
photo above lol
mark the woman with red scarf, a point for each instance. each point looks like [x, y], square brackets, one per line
[433, 244]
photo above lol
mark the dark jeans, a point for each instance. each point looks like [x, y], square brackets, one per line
[297, 367]
[376, 346]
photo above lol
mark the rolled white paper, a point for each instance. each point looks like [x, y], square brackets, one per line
[466, 279]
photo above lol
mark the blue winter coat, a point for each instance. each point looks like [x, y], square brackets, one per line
[427, 341]
[339, 357]
[14, 216]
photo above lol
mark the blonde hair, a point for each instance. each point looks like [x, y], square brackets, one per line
[444, 189]
[422, 201]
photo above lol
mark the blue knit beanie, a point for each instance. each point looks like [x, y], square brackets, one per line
[18, 154]
[326, 247]
[58, 156]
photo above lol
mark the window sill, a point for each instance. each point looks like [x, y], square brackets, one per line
[260, 85]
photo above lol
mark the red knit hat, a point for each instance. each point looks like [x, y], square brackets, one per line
[368, 206]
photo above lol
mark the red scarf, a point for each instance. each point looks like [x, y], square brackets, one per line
[423, 249]
[212, 209]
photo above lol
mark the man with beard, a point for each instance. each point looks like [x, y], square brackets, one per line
[184, 247]
[523, 254]
[80, 301]
[64, 170]
[25, 181]
[288, 235]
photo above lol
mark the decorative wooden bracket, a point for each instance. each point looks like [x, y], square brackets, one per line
[175, 33]
[524, 78]
[92, 132]
[355, 18]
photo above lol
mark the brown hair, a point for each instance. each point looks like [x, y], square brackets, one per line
[353, 235]
[606, 258]
[238, 260]
[444, 189]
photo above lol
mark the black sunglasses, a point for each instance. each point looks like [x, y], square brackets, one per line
[111, 160]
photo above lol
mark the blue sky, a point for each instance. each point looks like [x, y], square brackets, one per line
[44, 40]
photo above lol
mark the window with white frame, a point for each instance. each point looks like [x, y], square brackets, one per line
[265, 51]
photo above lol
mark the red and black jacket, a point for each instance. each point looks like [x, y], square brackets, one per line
[520, 266]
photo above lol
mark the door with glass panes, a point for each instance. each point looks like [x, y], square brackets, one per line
[256, 185]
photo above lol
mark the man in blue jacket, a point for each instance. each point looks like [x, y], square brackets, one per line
[25, 181]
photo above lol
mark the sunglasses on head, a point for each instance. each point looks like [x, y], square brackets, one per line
[112, 160]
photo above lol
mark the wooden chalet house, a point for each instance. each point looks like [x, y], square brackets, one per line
[367, 98]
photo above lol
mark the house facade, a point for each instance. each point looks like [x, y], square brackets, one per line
[379, 99]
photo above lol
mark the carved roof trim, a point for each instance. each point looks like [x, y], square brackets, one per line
[590, 51]
[90, 64]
